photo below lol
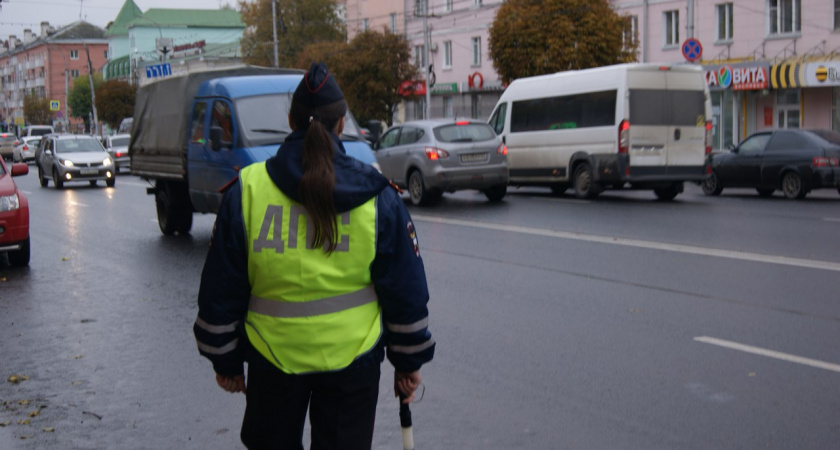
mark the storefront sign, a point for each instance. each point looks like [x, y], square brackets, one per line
[410, 88]
[445, 88]
[747, 78]
[822, 74]
[194, 48]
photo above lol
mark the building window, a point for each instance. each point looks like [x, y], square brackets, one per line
[447, 54]
[671, 19]
[447, 6]
[477, 3]
[419, 56]
[631, 32]
[74, 73]
[365, 24]
[787, 108]
[74, 54]
[784, 16]
[723, 14]
[393, 22]
[476, 51]
[837, 14]
[420, 7]
[447, 106]
[105, 54]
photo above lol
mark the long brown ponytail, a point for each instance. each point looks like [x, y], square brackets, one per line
[318, 180]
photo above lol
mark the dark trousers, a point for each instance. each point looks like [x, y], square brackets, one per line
[342, 408]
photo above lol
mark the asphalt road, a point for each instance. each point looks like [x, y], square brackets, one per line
[621, 322]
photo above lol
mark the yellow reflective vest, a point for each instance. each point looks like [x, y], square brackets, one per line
[308, 312]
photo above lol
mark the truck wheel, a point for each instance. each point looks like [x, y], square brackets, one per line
[20, 258]
[171, 215]
[668, 193]
[583, 183]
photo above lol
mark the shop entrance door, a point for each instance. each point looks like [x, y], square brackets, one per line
[787, 109]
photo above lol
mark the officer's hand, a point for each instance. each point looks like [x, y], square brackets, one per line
[231, 384]
[406, 384]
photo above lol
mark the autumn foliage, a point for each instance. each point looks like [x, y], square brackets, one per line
[531, 37]
[115, 101]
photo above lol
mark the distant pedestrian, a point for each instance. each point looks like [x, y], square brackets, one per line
[313, 270]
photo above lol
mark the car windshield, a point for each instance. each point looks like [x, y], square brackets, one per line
[33, 142]
[120, 142]
[471, 132]
[78, 146]
[265, 119]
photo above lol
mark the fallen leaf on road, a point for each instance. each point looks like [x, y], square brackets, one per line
[64, 258]
[78, 356]
[34, 413]
[6, 423]
[23, 402]
[27, 436]
[48, 429]
[76, 383]
[17, 378]
[23, 422]
[752, 374]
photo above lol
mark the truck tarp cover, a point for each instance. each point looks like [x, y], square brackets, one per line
[158, 147]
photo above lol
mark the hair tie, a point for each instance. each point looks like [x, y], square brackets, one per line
[314, 117]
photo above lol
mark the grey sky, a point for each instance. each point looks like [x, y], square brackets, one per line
[17, 15]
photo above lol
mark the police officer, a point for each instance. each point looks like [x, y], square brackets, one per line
[314, 270]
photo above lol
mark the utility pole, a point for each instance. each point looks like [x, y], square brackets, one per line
[94, 123]
[427, 39]
[274, 29]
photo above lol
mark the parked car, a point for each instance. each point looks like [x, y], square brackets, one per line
[430, 157]
[69, 157]
[793, 161]
[25, 150]
[14, 215]
[8, 141]
[117, 147]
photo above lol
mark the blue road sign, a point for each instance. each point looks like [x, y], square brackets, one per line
[692, 49]
[158, 70]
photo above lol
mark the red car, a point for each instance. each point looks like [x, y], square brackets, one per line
[14, 216]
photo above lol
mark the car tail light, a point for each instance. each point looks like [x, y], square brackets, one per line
[623, 137]
[436, 153]
[822, 161]
[709, 136]
[26, 148]
[120, 154]
[502, 149]
[462, 122]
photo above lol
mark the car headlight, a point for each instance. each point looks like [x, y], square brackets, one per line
[9, 203]
[66, 162]
[107, 162]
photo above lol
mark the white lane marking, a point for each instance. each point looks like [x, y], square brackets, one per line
[831, 219]
[79, 204]
[769, 353]
[679, 248]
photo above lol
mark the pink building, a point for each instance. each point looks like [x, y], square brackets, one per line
[465, 83]
[769, 63]
[45, 65]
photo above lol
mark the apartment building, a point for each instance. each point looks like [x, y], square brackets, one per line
[45, 65]
[769, 63]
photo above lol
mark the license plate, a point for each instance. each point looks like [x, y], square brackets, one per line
[473, 157]
[89, 171]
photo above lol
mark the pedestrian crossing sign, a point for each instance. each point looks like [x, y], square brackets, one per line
[55, 105]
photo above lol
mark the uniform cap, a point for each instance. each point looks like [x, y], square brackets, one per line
[318, 87]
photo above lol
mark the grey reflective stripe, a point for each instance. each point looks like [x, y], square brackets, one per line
[411, 349]
[408, 328]
[315, 307]
[216, 329]
[218, 350]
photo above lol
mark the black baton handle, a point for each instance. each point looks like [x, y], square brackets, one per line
[405, 413]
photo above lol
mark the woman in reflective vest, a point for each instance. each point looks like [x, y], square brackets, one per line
[314, 274]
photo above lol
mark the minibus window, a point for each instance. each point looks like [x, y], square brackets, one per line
[591, 109]
[667, 107]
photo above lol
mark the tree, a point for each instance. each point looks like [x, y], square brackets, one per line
[78, 99]
[530, 37]
[36, 111]
[299, 23]
[369, 70]
[115, 101]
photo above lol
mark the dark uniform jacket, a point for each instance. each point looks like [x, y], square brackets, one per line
[397, 271]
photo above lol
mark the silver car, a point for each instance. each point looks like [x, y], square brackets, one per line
[64, 158]
[430, 157]
[8, 141]
[117, 146]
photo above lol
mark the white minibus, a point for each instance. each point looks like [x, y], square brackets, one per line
[627, 126]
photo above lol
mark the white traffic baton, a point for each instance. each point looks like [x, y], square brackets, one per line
[405, 422]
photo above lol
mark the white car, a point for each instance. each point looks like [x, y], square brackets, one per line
[25, 150]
